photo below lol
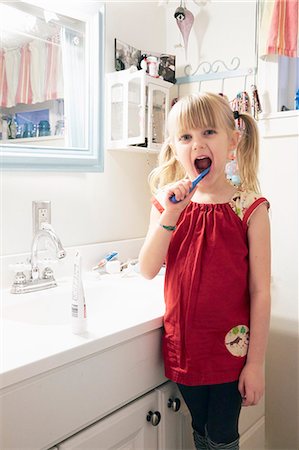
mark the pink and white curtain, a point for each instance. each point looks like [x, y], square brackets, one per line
[3, 81]
[31, 74]
[279, 28]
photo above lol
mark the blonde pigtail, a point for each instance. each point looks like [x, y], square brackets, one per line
[248, 154]
[169, 168]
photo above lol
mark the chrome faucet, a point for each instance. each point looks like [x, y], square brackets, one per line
[37, 282]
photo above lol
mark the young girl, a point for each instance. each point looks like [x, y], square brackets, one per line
[216, 244]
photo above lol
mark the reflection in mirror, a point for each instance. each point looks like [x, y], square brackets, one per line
[39, 52]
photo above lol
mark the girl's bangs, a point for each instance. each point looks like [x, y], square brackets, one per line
[197, 112]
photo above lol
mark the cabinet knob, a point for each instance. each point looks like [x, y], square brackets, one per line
[174, 404]
[153, 417]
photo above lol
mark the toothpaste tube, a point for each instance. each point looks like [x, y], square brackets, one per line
[79, 320]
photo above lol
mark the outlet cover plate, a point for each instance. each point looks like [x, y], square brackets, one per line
[41, 212]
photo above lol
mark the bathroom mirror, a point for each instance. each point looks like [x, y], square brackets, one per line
[51, 88]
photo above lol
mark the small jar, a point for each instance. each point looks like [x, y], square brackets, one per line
[44, 128]
[152, 65]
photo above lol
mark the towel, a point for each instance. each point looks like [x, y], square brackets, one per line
[279, 29]
[38, 70]
[24, 91]
[12, 60]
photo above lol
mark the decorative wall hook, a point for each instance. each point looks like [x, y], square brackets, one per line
[207, 67]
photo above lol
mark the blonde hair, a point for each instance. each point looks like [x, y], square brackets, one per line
[201, 111]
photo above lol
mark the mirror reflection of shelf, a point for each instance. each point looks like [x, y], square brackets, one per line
[53, 141]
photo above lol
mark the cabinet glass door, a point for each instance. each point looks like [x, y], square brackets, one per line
[125, 108]
[135, 129]
[158, 101]
[117, 113]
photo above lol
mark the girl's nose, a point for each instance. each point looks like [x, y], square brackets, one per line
[199, 145]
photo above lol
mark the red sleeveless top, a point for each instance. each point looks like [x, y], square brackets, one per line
[206, 321]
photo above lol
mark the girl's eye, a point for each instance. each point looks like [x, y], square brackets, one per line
[185, 137]
[209, 132]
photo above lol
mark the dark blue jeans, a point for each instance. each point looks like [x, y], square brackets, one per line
[215, 411]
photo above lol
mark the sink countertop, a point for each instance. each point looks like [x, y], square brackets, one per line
[36, 331]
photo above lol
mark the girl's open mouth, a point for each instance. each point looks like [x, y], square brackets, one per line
[202, 163]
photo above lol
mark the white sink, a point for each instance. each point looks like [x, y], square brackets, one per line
[111, 298]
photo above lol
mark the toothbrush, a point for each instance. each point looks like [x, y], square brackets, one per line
[194, 183]
[106, 258]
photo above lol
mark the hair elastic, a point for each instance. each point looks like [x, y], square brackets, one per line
[236, 115]
[168, 227]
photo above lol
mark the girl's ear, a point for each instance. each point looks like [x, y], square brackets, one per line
[234, 139]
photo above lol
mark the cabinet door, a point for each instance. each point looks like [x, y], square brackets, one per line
[126, 429]
[135, 114]
[158, 107]
[125, 103]
[175, 431]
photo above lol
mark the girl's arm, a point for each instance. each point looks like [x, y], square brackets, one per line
[155, 247]
[251, 383]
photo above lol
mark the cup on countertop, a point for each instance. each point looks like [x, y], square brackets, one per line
[113, 266]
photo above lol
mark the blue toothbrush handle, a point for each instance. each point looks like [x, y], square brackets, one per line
[194, 183]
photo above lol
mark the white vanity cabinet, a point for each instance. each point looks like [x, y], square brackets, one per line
[108, 399]
[175, 432]
[124, 429]
[137, 106]
[157, 421]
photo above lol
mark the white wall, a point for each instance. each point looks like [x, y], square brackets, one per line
[90, 207]
[222, 30]
[279, 182]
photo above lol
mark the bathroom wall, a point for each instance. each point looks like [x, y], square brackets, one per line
[90, 207]
[219, 33]
[221, 30]
[281, 136]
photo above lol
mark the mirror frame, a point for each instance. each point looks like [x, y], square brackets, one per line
[15, 157]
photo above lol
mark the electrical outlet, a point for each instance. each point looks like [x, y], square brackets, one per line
[41, 212]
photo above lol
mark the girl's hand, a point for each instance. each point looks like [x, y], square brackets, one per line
[181, 191]
[251, 384]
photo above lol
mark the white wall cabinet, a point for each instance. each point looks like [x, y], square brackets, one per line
[137, 109]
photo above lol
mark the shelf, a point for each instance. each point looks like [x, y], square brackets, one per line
[279, 114]
[31, 140]
[279, 124]
[135, 149]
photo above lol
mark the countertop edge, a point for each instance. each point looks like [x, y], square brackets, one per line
[70, 356]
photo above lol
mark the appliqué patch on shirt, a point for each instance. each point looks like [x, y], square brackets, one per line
[241, 202]
[237, 340]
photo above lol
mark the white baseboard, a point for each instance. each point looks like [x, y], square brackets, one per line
[254, 438]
